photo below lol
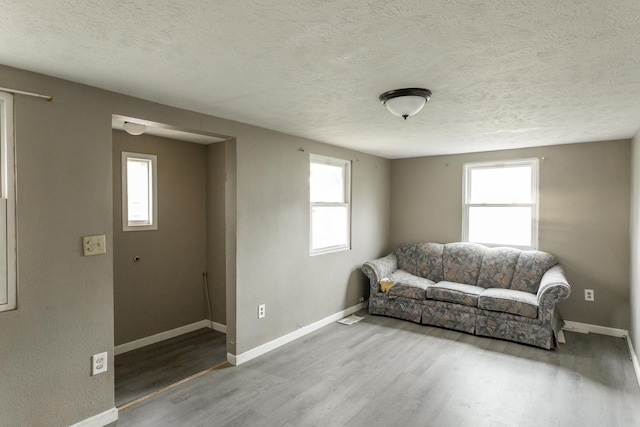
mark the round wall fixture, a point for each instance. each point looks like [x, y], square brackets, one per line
[405, 102]
[134, 128]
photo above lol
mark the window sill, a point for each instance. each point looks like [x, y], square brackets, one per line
[329, 250]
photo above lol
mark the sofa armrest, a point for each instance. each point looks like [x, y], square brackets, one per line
[553, 288]
[379, 269]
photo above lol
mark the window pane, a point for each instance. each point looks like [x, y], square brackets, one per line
[500, 225]
[501, 185]
[138, 190]
[327, 183]
[329, 226]
[8, 285]
[2, 144]
[4, 289]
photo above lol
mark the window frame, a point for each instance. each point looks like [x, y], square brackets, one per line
[346, 180]
[9, 283]
[534, 164]
[153, 193]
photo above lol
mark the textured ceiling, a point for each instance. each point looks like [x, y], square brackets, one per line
[504, 74]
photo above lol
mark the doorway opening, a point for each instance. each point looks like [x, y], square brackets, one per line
[170, 279]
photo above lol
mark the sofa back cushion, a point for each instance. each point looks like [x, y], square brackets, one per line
[462, 262]
[407, 256]
[498, 267]
[421, 259]
[530, 268]
[430, 261]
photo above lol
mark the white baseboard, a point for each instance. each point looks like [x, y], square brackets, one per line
[586, 328]
[634, 359]
[285, 339]
[142, 342]
[100, 420]
[218, 327]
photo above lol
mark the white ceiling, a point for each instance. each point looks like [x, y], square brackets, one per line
[504, 74]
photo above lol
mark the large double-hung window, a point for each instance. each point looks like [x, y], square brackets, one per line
[501, 203]
[330, 202]
[8, 281]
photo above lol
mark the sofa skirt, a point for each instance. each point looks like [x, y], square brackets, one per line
[470, 320]
[400, 308]
[511, 330]
[448, 315]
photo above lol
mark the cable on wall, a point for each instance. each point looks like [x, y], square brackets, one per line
[21, 92]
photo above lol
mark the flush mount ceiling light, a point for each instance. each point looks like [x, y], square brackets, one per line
[405, 102]
[134, 128]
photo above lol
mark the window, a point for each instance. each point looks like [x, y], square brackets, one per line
[8, 281]
[501, 203]
[139, 192]
[330, 188]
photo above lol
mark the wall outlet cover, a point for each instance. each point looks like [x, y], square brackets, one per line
[589, 295]
[99, 363]
[94, 245]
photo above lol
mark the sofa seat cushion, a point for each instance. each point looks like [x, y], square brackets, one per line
[408, 286]
[455, 292]
[509, 301]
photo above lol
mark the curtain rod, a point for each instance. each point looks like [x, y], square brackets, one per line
[21, 92]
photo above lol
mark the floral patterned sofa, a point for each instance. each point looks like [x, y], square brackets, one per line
[495, 292]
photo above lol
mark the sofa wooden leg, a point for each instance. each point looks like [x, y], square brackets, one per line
[560, 337]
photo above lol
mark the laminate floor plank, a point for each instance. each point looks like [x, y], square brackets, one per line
[389, 372]
[145, 370]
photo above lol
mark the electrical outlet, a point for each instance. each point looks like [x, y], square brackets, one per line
[94, 245]
[261, 311]
[99, 363]
[361, 299]
[589, 295]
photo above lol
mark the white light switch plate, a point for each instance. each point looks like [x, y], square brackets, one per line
[94, 245]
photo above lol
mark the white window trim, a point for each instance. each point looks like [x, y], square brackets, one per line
[126, 225]
[534, 163]
[8, 288]
[346, 167]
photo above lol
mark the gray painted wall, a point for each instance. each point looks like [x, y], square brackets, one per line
[231, 241]
[635, 242]
[164, 290]
[216, 246]
[584, 216]
[273, 236]
[65, 191]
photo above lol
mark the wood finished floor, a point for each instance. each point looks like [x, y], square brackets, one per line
[145, 370]
[388, 372]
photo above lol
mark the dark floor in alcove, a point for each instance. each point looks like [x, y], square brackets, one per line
[148, 369]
